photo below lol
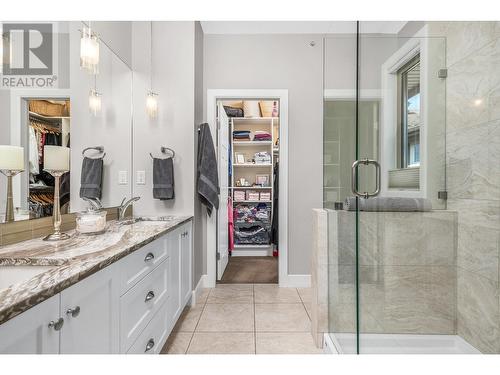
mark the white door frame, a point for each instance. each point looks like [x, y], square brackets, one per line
[282, 94]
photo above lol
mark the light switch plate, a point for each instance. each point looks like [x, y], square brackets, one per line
[122, 178]
[141, 178]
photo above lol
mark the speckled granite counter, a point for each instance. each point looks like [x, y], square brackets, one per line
[73, 260]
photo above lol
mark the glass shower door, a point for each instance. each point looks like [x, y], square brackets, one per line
[405, 255]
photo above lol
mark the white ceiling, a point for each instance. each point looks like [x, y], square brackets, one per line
[300, 27]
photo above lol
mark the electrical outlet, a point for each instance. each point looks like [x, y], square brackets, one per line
[122, 178]
[141, 178]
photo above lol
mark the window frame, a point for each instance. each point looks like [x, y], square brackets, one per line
[402, 105]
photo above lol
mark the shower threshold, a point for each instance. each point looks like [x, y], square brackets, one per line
[374, 343]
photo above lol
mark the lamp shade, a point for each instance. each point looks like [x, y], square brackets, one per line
[56, 158]
[11, 158]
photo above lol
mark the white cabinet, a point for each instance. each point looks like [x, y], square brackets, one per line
[29, 332]
[186, 254]
[128, 307]
[140, 304]
[174, 277]
[91, 312]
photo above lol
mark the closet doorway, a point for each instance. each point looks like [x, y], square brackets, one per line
[46, 122]
[250, 226]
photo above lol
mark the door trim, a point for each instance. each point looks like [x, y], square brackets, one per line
[282, 94]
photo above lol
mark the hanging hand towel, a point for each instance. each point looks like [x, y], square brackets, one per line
[207, 175]
[163, 179]
[91, 179]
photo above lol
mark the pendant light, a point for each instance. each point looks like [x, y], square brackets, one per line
[89, 50]
[152, 97]
[95, 99]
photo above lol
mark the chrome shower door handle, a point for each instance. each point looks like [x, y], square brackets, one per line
[354, 178]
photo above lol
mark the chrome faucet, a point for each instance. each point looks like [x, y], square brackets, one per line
[124, 205]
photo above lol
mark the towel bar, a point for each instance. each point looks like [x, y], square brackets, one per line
[164, 150]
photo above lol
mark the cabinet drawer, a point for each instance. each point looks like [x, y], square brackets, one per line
[141, 262]
[154, 336]
[141, 302]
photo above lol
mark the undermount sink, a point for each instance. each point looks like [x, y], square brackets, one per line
[10, 275]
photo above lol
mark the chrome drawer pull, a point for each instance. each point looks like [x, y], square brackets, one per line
[149, 296]
[73, 312]
[150, 345]
[57, 325]
[149, 257]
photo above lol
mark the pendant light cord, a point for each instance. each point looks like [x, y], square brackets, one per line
[151, 56]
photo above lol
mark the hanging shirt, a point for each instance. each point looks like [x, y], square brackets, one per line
[33, 152]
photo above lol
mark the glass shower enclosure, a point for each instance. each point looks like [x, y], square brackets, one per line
[395, 280]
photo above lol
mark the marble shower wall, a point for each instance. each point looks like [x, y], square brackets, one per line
[473, 173]
[407, 273]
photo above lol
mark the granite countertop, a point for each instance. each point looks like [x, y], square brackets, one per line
[72, 260]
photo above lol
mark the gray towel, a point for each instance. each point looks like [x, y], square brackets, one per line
[163, 179]
[91, 179]
[207, 180]
[389, 204]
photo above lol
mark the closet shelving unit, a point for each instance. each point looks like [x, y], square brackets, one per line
[249, 170]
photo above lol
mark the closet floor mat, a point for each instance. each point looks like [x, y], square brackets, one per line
[252, 270]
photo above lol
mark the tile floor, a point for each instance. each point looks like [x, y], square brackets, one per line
[245, 319]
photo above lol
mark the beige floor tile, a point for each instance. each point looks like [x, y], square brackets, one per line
[272, 293]
[177, 343]
[188, 319]
[305, 294]
[202, 298]
[285, 343]
[222, 343]
[291, 317]
[227, 318]
[231, 293]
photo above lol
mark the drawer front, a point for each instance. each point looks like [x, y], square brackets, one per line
[141, 262]
[141, 302]
[154, 336]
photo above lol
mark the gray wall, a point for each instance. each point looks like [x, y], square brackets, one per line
[200, 263]
[282, 62]
[117, 35]
[176, 77]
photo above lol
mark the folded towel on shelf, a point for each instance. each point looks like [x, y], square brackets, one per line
[388, 204]
[207, 180]
[91, 178]
[163, 179]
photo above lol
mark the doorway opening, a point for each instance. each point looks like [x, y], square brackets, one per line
[247, 239]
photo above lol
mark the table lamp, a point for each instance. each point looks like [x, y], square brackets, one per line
[56, 162]
[11, 163]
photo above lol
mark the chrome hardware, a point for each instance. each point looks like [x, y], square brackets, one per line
[354, 178]
[149, 345]
[149, 296]
[124, 205]
[57, 325]
[149, 256]
[73, 312]
[443, 194]
[442, 73]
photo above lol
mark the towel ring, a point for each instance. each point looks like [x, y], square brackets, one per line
[97, 148]
[164, 150]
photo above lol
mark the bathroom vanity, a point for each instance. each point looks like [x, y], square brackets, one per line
[119, 292]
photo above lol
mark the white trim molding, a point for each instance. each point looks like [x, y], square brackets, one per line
[198, 290]
[282, 94]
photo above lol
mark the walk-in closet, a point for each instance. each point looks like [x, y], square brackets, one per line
[248, 157]
[48, 125]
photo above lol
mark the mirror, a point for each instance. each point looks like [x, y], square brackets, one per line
[69, 108]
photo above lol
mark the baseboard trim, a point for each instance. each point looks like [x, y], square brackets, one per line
[296, 281]
[198, 289]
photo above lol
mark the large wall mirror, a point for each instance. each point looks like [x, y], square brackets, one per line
[82, 114]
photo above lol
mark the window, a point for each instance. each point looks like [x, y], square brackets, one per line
[409, 114]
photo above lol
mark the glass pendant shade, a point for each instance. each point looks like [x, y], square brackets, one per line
[95, 102]
[152, 104]
[89, 51]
